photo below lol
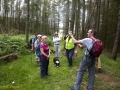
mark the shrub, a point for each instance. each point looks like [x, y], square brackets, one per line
[9, 45]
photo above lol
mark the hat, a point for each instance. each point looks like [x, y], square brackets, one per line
[39, 35]
[56, 33]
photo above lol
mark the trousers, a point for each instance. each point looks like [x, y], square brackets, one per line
[57, 50]
[69, 54]
[87, 62]
[44, 67]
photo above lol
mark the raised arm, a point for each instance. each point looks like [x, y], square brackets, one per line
[74, 40]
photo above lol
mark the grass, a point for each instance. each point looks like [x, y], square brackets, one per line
[26, 76]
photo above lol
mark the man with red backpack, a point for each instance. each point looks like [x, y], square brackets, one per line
[88, 62]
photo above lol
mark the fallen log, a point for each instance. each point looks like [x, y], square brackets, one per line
[9, 56]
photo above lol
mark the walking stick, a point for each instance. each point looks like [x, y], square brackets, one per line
[31, 56]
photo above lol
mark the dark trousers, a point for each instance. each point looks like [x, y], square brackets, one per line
[69, 54]
[44, 67]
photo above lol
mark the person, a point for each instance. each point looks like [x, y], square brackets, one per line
[64, 38]
[87, 62]
[69, 48]
[38, 62]
[56, 40]
[33, 41]
[75, 51]
[44, 48]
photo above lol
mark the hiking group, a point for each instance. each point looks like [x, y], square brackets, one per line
[93, 50]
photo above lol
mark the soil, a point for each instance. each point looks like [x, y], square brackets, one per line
[108, 79]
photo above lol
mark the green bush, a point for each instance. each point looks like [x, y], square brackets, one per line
[9, 45]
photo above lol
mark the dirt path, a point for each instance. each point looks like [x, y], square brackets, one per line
[112, 81]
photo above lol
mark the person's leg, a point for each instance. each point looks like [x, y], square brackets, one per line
[43, 67]
[67, 55]
[91, 70]
[37, 61]
[85, 63]
[71, 53]
[59, 53]
[40, 61]
[46, 73]
[75, 54]
[56, 51]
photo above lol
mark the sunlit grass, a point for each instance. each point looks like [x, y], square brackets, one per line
[26, 76]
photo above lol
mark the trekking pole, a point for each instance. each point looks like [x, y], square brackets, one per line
[31, 56]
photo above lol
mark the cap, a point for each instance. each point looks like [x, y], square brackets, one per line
[56, 33]
[39, 35]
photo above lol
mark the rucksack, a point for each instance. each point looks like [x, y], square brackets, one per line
[32, 39]
[38, 52]
[97, 48]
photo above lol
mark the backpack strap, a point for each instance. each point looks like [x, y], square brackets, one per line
[93, 41]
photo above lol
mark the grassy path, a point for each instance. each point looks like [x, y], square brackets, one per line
[27, 77]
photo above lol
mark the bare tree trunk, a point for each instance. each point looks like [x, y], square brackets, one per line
[73, 15]
[67, 18]
[77, 28]
[19, 17]
[117, 39]
[27, 23]
[90, 16]
[89, 9]
[58, 22]
[83, 19]
[106, 24]
[98, 16]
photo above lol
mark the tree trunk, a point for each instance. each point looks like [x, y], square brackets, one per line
[98, 17]
[77, 28]
[90, 15]
[27, 23]
[73, 15]
[67, 18]
[83, 19]
[117, 39]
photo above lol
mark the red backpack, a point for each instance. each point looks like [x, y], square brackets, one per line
[97, 48]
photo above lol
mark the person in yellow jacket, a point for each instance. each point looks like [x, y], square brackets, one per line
[69, 46]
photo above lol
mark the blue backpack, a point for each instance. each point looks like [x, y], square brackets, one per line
[38, 52]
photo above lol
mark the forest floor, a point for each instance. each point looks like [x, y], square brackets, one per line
[26, 76]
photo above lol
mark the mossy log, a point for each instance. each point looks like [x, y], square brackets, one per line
[9, 56]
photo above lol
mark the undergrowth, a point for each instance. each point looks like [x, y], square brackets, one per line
[26, 76]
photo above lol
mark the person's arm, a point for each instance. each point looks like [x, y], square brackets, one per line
[35, 44]
[80, 45]
[32, 48]
[76, 41]
[56, 39]
[48, 55]
[43, 53]
[49, 52]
